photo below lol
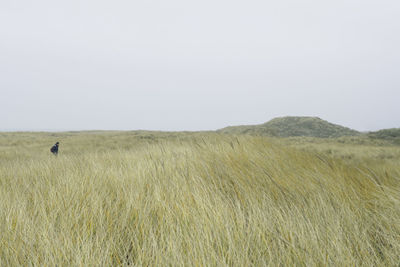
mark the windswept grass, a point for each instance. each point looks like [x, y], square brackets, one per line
[191, 199]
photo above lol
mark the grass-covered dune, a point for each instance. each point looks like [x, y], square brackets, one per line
[391, 135]
[293, 126]
[204, 199]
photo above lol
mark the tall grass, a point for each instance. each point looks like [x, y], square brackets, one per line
[191, 199]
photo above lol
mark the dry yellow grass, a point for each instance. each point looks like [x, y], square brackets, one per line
[191, 200]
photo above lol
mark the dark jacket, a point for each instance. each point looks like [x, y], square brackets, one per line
[54, 149]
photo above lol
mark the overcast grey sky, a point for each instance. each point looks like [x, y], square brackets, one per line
[197, 65]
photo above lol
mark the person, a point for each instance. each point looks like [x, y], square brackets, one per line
[54, 149]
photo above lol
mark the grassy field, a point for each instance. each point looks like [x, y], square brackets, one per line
[197, 199]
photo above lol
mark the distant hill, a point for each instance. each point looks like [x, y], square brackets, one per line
[391, 135]
[293, 126]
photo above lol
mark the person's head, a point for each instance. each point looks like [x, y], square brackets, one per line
[57, 143]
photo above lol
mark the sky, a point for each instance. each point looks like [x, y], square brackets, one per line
[197, 65]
